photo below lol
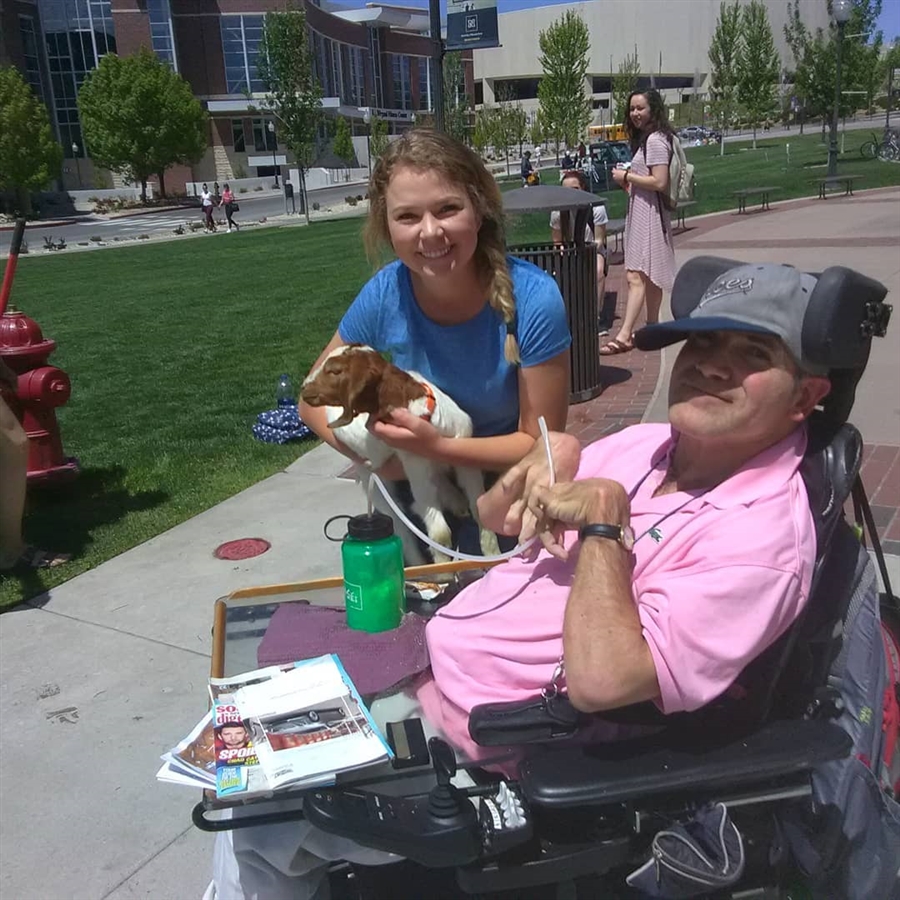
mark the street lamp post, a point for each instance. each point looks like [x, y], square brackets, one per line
[271, 128]
[367, 118]
[75, 149]
[841, 10]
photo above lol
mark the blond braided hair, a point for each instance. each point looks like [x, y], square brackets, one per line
[433, 151]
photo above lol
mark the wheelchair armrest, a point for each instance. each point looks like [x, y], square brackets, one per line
[613, 773]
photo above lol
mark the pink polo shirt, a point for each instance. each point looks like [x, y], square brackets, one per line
[716, 580]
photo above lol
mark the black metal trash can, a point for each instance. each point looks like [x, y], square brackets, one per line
[574, 267]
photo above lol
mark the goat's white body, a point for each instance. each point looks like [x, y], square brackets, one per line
[432, 490]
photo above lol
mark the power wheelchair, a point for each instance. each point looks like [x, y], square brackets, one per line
[585, 815]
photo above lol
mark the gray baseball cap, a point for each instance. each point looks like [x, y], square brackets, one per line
[761, 298]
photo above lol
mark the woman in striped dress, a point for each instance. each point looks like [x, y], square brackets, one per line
[649, 254]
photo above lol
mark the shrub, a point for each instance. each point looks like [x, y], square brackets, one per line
[315, 205]
[359, 198]
[242, 190]
[259, 187]
[350, 201]
[143, 237]
[96, 238]
[239, 171]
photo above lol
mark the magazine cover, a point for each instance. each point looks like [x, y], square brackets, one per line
[309, 724]
[237, 764]
[195, 755]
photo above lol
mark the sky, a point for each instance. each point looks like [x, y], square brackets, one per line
[888, 22]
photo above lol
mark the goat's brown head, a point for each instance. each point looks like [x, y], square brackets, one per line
[357, 379]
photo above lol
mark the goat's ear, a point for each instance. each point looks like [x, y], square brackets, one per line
[359, 386]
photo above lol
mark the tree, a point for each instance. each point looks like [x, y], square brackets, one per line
[29, 156]
[482, 133]
[536, 134]
[378, 140]
[343, 142]
[758, 65]
[293, 94]
[515, 120]
[456, 100]
[723, 54]
[861, 62]
[624, 82]
[565, 106]
[139, 117]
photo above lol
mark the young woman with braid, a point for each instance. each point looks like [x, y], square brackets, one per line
[488, 329]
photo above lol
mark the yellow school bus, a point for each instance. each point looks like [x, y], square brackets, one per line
[614, 132]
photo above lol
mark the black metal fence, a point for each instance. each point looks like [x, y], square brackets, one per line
[574, 267]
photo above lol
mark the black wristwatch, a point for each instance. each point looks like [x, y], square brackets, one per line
[622, 534]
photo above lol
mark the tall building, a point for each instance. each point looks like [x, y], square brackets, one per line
[372, 59]
[670, 37]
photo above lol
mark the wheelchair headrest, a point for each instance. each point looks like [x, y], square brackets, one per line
[826, 319]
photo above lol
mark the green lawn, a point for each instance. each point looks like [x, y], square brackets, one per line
[717, 176]
[173, 349]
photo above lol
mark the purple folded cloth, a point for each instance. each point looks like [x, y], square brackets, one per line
[374, 662]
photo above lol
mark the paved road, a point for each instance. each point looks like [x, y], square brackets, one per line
[253, 207]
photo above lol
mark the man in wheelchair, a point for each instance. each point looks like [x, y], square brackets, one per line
[671, 557]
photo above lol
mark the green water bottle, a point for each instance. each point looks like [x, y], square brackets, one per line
[372, 557]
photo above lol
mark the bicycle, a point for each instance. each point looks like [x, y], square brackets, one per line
[885, 150]
[889, 150]
[869, 149]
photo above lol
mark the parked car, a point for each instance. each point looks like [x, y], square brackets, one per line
[699, 134]
[605, 156]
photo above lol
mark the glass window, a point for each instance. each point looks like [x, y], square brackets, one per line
[263, 139]
[31, 53]
[424, 84]
[162, 40]
[240, 48]
[237, 135]
[400, 70]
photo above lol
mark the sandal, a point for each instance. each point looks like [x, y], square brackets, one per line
[34, 558]
[615, 347]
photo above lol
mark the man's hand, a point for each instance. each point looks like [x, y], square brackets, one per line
[505, 507]
[565, 507]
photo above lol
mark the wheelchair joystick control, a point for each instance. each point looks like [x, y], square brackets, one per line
[444, 801]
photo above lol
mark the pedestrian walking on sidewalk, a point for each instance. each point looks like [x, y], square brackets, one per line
[208, 206]
[231, 206]
[649, 253]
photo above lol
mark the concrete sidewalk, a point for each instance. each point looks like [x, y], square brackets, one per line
[107, 671]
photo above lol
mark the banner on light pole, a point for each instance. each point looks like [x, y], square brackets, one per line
[471, 24]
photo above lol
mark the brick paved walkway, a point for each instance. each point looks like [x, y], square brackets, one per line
[632, 378]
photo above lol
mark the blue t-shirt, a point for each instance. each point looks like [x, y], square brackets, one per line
[465, 361]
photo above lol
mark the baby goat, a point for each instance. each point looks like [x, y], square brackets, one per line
[356, 385]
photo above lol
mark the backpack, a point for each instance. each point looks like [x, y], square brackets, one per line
[848, 844]
[681, 177]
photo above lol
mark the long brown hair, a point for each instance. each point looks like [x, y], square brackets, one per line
[659, 120]
[432, 151]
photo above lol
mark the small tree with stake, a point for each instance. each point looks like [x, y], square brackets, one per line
[343, 142]
[723, 54]
[294, 95]
[757, 65]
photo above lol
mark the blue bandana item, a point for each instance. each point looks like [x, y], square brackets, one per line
[278, 426]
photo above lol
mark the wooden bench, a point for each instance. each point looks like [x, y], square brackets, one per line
[615, 228]
[835, 181]
[744, 193]
[679, 213]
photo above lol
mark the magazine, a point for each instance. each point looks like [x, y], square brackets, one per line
[293, 725]
[237, 768]
[193, 757]
[309, 723]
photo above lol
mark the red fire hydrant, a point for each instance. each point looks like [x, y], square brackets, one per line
[41, 388]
